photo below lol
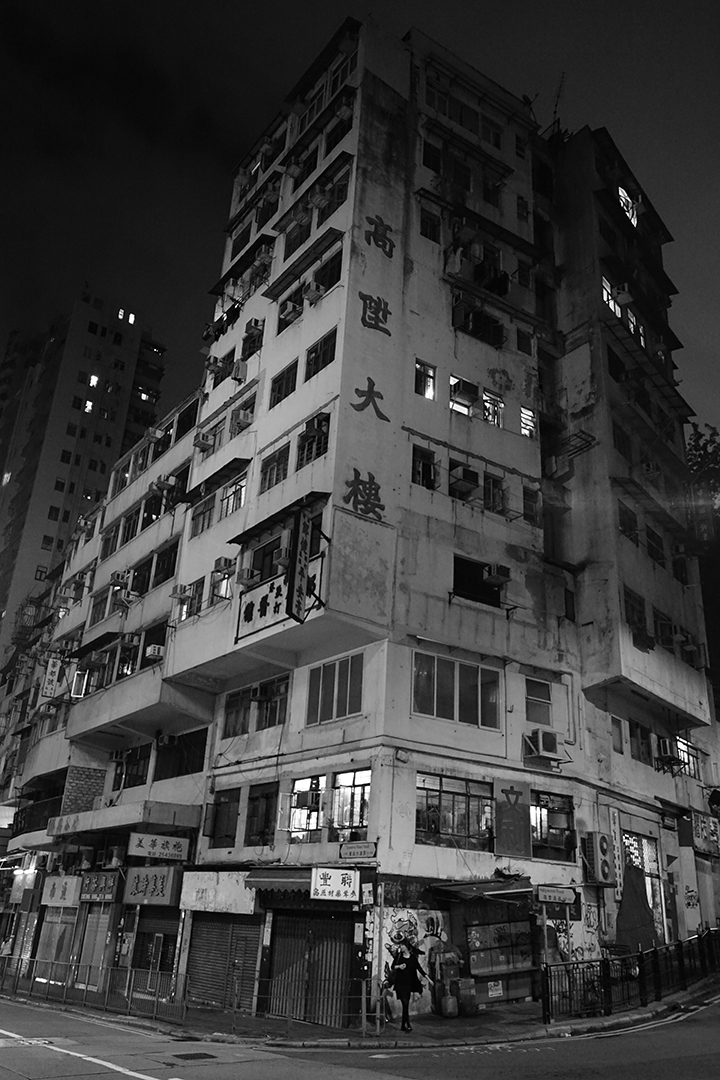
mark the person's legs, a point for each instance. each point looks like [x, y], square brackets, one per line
[405, 1002]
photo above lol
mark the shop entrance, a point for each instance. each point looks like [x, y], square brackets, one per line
[310, 968]
[223, 959]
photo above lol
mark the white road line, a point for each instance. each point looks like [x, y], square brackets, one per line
[22, 1041]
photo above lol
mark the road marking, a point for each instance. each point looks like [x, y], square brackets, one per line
[22, 1041]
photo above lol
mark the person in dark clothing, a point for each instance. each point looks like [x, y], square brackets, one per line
[406, 972]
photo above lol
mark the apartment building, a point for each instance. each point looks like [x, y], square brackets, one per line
[393, 630]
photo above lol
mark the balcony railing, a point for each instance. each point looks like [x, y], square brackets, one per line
[35, 816]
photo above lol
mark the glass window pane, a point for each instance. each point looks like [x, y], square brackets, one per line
[327, 693]
[355, 687]
[424, 684]
[445, 688]
[342, 688]
[314, 696]
[468, 694]
[489, 698]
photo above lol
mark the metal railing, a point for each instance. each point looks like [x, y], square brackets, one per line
[613, 983]
[325, 1002]
[133, 991]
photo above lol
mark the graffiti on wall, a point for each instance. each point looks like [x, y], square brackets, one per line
[425, 929]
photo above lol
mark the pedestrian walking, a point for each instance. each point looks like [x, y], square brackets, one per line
[405, 977]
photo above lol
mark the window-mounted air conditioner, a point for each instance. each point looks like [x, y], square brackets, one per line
[544, 743]
[300, 215]
[223, 565]
[180, 592]
[240, 419]
[293, 169]
[154, 652]
[202, 441]
[289, 312]
[650, 468]
[312, 291]
[132, 640]
[119, 578]
[117, 755]
[667, 749]
[282, 556]
[320, 197]
[254, 326]
[464, 480]
[167, 740]
[464, 392]
[496, 574]
[621, 294]
[556, 465]
[343, 111]
[166, 483]
[213, 365]
[154, 434]
[263, 255]
[95, 660]
[64, 598]
[599, 858]
[246, 575]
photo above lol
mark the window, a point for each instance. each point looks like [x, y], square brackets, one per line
[71, 430]
[538, 701]
[463, 395]
[493, 406]
[88, 406]
[202, 516]
[54, 513]
[634, 610]
[470, 582]
[528, 423]
[264, 559]
[491, 132]
[272, 698]
[130, 525]
[181, 756]
[609, 298]
[290, 309]
[225, 818]
[425, 380]
[679, 568]
[424, 468]
[491, 192]
[655, 546]
[453, 108]
[432, 156]
[191, 604]
[298, 234]
[76, 403]
[336, 134]
[65, 457]
[493, 493]
[622, 442]
[618, 742]
[429, 225]
[305, 826]
[40, 573]
[240, 240]
[552, 826]
[628, 522]
[689, 756]
[59, 485]
[238, 706]
[220, 586]
[308, 163]
[98, 606]
[133, 770]
[520, 147]
[453, 813]
[338, 194]
[616, 367]
[274, 469]
[452, 690]
[628, 206]
[328, 274]
[640, 743]
[335, 689]
[524, 342]
[523, 214]
[313, 441]
[151, 511]
[320, 354]
[351, 794]
[233, 496]
[663, 630]
[531, 506]
[92, 464]
[283, 384]
[261, 815]
[66, 517]
[47, 543]
[142, 574]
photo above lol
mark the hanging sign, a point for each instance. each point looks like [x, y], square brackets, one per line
[52, 676]
[334, 883]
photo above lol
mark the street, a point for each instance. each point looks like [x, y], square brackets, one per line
[38, 1043]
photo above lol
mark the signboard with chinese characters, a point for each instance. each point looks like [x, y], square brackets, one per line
[299, 566]
[268, 603]
[555, 894]
[152, 885]
[61, 891]
[334, 883]
[52, 676]
[100, 888]
[217, 890]
[150, 845]
[512, 819]
[358, 849]
[706, 833]
[60, 826]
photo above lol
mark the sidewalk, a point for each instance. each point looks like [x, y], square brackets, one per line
[509, 1022]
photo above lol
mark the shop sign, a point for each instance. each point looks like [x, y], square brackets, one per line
[268, 603]
[706, 833]
[358, 849]
[221, 890]
[100, 888]
[512, 819]
[618, 851]
[149, 845]
[61, 891]
[555, 894]
[52, 675]
[61, 826]
[299, 566]
[334, 883]
[152, 885]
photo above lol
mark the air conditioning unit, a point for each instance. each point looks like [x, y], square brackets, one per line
[64, 598]
[48, 709]
[599, 858]
[202, 441]
[124, 598]
[166, 483]
[213, 366]
[316, 425]
[180, 592]
[621, 294]
[154, 434]
[463, 480]
[464, 392]
[343, 111]
[254, 326]
[85, 523]
[118, 579]
[320, 197]
[293, 169]
[282, 556]
[263, 255]
[167, 740]
[223, 564]
[114, 858]
[544, 743]
[289, 312]
[154, 652]
[239, 371]
[312, 291]
[667, 749]
[495, 574]
[300, 215]
[133, 640]
[240, 419]
[650, 469]
[246, 575]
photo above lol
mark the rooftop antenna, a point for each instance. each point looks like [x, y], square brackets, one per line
[557, 99]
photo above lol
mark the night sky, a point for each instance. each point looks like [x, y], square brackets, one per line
[121, 124]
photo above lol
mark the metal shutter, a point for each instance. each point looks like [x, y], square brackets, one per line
[223, 959]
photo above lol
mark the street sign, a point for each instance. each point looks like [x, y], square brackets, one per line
[555, 894]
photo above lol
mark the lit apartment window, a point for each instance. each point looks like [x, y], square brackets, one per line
[88, 407]
[131, 318]
[94, 380]
[305, 825]
[335, 689]
[528, 423]
[453, 813]
[493, 406]
[607, 294]
[628, 205]
[690, 758]
[351, 797]
[425, 380]
[451, 690]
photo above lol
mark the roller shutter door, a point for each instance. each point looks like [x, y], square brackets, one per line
[223, 959]
[310, 967]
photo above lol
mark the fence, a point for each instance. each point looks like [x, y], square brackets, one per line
[325, 1002]
[613, 983]
[133, 991]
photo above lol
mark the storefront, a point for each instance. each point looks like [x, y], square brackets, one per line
[224, 934]
[98, 895]
[152, 894]
[59, 908]
[699, 837]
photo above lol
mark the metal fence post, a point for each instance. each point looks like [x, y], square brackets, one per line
[642, 978]
[682, 977]
[657, 979]
[606, 983]
[363, 1006]
[545, 994]
[131, 988]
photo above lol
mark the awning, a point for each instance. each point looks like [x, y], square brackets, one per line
[485, 888]
[270, 522]
[215, 480]
[280, 879]
[96, 644]
[303, 262]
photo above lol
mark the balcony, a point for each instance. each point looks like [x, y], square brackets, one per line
[35, 816]
[131, 815]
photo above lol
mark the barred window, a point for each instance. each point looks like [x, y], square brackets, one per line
[233, 496]
[351, 796]
[283, 384]
[202, 516]
[320, 355]
[313, 441]
[453, 813]
[305, 825]
[274, 468]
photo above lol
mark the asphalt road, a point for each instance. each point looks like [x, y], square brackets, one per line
[38, 1043]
